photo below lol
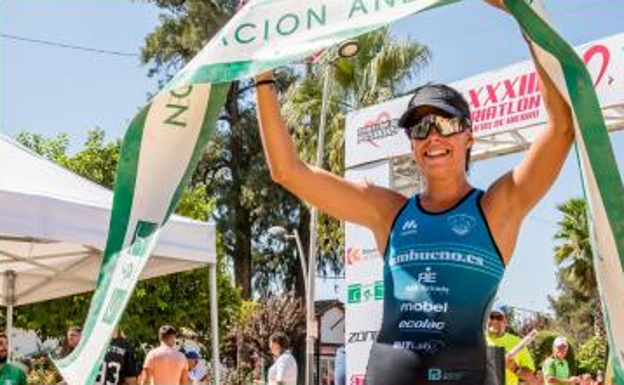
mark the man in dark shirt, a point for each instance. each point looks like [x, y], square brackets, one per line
[119, 366]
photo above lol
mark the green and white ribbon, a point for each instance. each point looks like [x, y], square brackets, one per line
[601, 179]
[165, 141]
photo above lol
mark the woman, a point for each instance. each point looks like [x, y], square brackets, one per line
[284, 369]
[464, 236]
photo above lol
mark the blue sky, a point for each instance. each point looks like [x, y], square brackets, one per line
[51, 90]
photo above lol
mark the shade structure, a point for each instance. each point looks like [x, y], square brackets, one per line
[53, 228]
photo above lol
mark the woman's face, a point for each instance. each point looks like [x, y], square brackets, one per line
[276, 349]
[438, 155]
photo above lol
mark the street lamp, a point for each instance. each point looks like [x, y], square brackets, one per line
[345, 50]
[348, 49]
[280, 232]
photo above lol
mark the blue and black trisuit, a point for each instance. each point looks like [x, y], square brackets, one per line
[441, 273]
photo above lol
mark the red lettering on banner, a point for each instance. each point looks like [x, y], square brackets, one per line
[504, 90]
[603, 51]
[506, 101]
[357, 379]
[517, 99]
[491, 93]
[473, 95]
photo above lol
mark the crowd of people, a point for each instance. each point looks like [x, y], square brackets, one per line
[167, 364]
[520, 367]
[164, 364]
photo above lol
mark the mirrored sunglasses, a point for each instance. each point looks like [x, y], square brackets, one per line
[445, 126]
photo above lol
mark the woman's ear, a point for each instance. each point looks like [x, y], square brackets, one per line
[471, 140]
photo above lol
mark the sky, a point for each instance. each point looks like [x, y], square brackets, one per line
[51, 90]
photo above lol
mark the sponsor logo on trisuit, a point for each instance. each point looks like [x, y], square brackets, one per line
[425, 324]
[412, 256]
[410, 227]
[429, 347]
[424, 307]
[461, 224]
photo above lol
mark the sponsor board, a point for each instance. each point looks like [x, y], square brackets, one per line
[359, 293]
[362, 336]
[502, 100]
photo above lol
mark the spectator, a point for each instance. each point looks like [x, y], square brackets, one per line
[586, 379]
[284, 369]
[119, 366]
[164, 364]
[9, 373]
[340, 366]
[197, 374]
[520, 367]
[72, 339]
[556, 369]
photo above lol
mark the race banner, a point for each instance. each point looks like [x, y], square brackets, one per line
[165, 140]
[502, 100]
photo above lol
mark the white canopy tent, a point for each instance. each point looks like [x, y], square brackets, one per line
[54, 226]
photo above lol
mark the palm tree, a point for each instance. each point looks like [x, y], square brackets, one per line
[380, 71]
[574, 253]
[574, 256]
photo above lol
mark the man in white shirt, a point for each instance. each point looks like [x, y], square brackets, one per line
[284, 369]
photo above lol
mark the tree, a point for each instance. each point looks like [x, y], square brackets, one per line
[179, 299]
[574, 253]
[232, 169]
[574, 256]
[257, 322]
[592, 355]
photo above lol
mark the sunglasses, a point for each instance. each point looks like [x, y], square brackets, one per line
[445, 126]
[496, 317]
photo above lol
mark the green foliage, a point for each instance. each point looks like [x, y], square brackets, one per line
[258, 320]
[233, 170]
[180, 299]
[96, 161]
[592, 355]
[185, 26]
[578, 304]
[573, 252]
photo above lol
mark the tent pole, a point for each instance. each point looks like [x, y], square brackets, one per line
[9, 278]
[9, 330]
[214, 323]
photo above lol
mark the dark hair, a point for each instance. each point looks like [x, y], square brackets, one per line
[3, 335]
[74, 329]
[281, 339]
